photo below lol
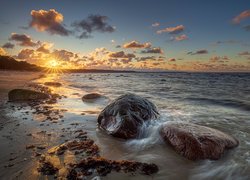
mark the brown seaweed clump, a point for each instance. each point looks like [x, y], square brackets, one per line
[47, 168]
[80, 158]
[103, 166]
[88, 146]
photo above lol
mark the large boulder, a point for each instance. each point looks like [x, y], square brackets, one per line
[196, 142]
[123, 117]
[26, 95]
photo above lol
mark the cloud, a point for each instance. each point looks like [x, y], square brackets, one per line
[227, 42]
[49, 21]
[92, 24]
[45, 47]
[156, 24]
[136, 44]
[243, 15]
[121, 54]
[202, 51]
[172, 30]
[8, 45]
[172, 59]
[247, 28]
[219, 59]
[244, 53]
[154, 50]
[139, 59]
[2, 52]
[25, 54]
[63, 55]
[180, 37]
[23, 40]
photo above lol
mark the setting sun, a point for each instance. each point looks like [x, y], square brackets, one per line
[53, 64]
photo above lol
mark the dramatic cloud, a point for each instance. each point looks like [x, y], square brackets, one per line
[136, 44]
[91, 24]
[45, 47]
[2, 51]
[63, 55]
[172, 30]
[156, 24]
[241, 16]
[50, 21]
[23, 40]
[180, 37]
[139, 59]
[172, 59]
[219, 59]
[25, 54]
[244, 53]
[121, 54]
[8, 45]
[154, 50]
[203, 51]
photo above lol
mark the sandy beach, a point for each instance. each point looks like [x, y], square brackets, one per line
[14, 79]
[41, 140]
[10, 141]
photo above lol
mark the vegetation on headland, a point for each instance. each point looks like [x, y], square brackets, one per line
[9, 63]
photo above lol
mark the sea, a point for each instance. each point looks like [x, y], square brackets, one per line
[217, 100]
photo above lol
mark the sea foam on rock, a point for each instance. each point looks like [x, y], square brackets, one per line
[196, 142]
[125, 115]
[26, 95]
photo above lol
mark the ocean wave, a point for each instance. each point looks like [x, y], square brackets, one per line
[223, 102]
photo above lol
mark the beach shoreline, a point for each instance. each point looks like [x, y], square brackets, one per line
[10, 80]
[29, 131]
[33, 129]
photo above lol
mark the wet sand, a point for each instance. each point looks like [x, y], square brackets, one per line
[14, 79]
[11, 137]
[42, 140]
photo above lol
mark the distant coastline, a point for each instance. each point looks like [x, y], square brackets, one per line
[8, 63]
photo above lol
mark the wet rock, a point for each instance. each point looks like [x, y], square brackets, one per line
[54, 84]
[196, 142]
[26, 95]
[123, 117]
[91, 96]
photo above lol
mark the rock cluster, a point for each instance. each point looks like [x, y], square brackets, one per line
[125, 115]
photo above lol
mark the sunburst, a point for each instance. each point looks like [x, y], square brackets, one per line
[53, 66]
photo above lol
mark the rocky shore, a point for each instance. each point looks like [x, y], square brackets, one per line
[44, 140]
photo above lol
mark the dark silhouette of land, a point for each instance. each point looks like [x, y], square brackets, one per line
[9, 63]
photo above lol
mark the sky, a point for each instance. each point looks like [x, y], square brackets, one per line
[170, 35]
